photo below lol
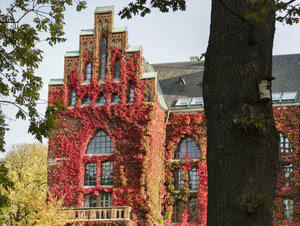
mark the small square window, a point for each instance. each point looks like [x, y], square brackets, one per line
[183, 102]
[197, 101]
[286, 96]
[276, 96]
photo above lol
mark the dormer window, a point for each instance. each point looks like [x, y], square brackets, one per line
[88, 72]
[181, 82]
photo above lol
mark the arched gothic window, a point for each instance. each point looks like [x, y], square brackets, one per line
[105, 25]
[88, 72]
[187, 149]
[84, 47]
[103, 57]
[99, 25]
[100, 144]
[91, 46]
[120, 44]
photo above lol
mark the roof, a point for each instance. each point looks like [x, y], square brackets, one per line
[170, 73]
[182, 79]
[104, 9]
[56, 81]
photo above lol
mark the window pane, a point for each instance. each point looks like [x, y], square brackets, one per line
[90, 200]
[178, 179]
[193, 208]
[131, 93]
[116, 98]
[117, 70]
[178, 209]
[90, 174]
[107, 173]
[105, 200]
[88, 72]
[100, 144]
[288, 207]
[194, 177]
[86, 100]
[285, 146]
[72, 97]
[103, 57]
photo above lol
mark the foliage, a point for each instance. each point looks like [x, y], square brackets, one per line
[6, 184]
[21, 24]
[27, 165]
[288, 11]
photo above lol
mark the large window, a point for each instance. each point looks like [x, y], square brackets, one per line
[187, 149]
[107, 169]
[90, 174]
[103, 58]
[285, 146]
[100, 144]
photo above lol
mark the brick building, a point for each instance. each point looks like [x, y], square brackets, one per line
[131, 147]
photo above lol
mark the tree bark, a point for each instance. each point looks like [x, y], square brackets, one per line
[242, 158]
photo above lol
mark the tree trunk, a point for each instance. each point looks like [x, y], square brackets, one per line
[242, 140]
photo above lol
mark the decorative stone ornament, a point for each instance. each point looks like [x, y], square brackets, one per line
[264, 90]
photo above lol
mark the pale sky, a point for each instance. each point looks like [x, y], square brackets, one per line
[168, 37]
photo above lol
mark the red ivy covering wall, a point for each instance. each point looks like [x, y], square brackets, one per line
[136, 130]
[287, 121]
[143, 163]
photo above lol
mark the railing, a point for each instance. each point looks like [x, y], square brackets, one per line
[101, 213]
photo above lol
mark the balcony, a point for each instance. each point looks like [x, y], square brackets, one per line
[119, 213]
